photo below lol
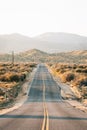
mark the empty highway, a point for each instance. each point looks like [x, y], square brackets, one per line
[44, 108]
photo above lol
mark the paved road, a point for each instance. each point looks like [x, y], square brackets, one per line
[44, 109]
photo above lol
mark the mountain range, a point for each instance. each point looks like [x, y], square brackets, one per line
[48, 42]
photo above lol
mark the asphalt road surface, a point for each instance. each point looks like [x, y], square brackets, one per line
[44, 109]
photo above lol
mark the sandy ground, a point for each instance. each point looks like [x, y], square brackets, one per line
[77, 105]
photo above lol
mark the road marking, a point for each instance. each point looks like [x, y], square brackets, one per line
[45, 125]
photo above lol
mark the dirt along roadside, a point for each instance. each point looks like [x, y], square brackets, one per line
[22, 96]
[68, 94]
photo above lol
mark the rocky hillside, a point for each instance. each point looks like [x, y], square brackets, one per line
[79, 57]
[35, 55]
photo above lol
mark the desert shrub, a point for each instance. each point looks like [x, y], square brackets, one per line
[81, 66]
[70, 76]
[5, 77]
[67, 77]
[83, 82]
[15, 78]
[18, 72]
[74, 66]
[81, 70]
[78, 70]
[32, 65]
[84, 70]
[70, 67]
[1, 92]
[61, 71]
[57, 69]
[4, 65]
[22, 77]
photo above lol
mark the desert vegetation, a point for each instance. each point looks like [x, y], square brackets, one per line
[11, 79]
[73, 74]
[34, 55]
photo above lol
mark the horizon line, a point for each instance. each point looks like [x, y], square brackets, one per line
[32, 36]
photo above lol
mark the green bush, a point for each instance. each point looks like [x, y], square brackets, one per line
[83, 82]
[15, 78]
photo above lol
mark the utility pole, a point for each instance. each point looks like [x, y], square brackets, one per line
[12, 58]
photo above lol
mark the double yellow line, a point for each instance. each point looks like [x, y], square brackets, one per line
[45, 125]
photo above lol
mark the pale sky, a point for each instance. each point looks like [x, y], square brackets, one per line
[33, 17]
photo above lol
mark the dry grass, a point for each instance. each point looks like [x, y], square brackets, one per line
[4, 85]
[73, 74]
[11, 76]
[18, 71]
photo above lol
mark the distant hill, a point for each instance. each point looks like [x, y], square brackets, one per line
[61, 42]
[16, 42]
[79, 53]
[49, 42]
[34, 55]
[78, 57]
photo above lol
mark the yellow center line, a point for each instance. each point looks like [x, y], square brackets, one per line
[45, 125]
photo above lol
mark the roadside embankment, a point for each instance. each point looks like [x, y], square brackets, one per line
[12, 79]
[73, 85]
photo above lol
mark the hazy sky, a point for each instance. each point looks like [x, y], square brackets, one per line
[32, 17]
